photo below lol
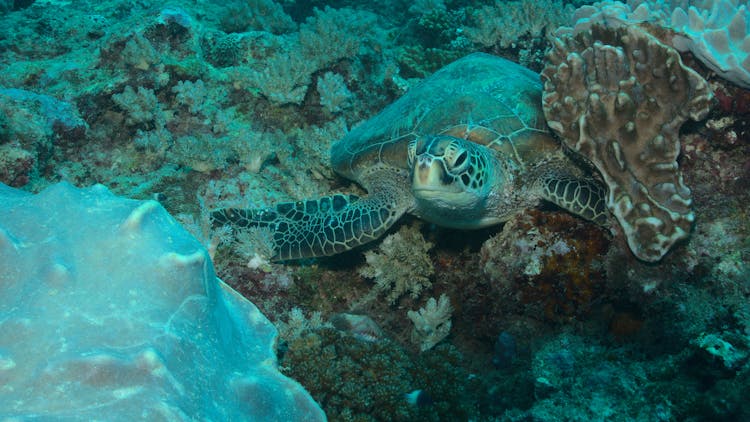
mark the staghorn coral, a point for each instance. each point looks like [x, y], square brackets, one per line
[619, 96]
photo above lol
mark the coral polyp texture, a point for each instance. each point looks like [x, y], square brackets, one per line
[109, 309]
[618, 96]
[432, 323]
[716, 32]
[719, 35]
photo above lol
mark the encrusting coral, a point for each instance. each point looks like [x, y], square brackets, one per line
[548, 263]
[719, 35]
[619, 96]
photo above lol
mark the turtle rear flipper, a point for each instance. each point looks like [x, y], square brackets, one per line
[318, 227]
[580, 196]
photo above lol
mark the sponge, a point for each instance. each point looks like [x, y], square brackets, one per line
[109, 309]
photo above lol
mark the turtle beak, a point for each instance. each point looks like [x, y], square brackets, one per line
[429, 173]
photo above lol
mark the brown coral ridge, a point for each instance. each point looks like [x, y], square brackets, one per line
[619, 96]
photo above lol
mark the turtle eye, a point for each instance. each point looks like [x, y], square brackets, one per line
[460, 159]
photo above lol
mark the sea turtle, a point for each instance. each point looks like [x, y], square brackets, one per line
[466, 148]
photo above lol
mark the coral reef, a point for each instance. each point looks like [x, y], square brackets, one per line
[368, 381]
[16, 164]
[334, 95]
[204, 105]
[508, 22]
[610, 93]
[714, 31]
[552, 264]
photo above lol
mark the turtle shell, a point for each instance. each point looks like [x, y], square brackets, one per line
[483, 98]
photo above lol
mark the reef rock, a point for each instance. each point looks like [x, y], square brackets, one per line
[110, 310]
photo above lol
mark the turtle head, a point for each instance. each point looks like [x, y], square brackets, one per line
[451, 179]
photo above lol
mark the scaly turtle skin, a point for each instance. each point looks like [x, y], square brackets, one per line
[466, 148]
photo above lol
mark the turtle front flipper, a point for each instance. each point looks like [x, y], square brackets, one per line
[579, 196]
[318, 227]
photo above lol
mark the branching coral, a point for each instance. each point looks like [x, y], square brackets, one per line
[323, 39]
[334, 34]
[283, 80]
[334, 95]
[297, 324]
[505, 22]
[402, 265]
[619, 96]
[141, 106]
[199, 98]
[432, 323]
[254, 15]
[201, 153]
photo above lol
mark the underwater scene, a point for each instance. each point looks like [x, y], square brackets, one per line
[384, 210]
